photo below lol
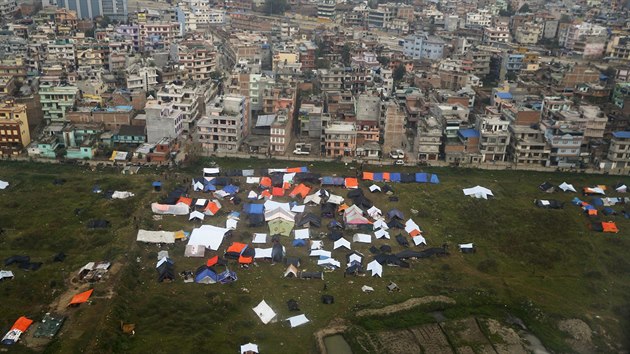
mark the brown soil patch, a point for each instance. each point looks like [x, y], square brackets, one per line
[432, 339]
[399, 342]
[509, 340]
[581, 335]
[406, 305]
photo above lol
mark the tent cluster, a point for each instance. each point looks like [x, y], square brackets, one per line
[418, 177]
[23, 262]
[20, 326]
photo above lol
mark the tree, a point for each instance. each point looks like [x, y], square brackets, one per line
[322, 63]
[524, 9]
[383, 60]
[508, 12]
[345, 54]
[399, 73]
[565, 19]
[273, 7]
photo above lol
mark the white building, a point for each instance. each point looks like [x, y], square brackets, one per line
[163, 121]
[424, 46]
[226, 124]
[478, 19]
[141, 77]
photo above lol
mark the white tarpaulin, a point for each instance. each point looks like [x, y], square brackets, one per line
[335, 199]
[264, 312]
[466, 245]
[380, 233]
[313, 198]
[621, 189]
[478, 192]
[196, 215]
[376, 268]
[252, 195]
[302, 234]
[262, 252]
[374, 212]
[363, 238]
[208, 236]
[354, 257]
[155, 236]
[297, 320]
[288, 177]
[166, 209]
[367, 289]
[210, 171]
[249, 347]
[3, 184]
[195, 251]
[411, 225]
[201, 202]
[418, 240]
[380, 224]
[253, 180]
[329, 262]
[320, 253]
[271, 205]
[260, 238]
[342, 242]
[122, 195]
[374, 188]
[298, 208]
[198, 186]
[231, 224]
[317, 245]
[6, 274]
[567, 187]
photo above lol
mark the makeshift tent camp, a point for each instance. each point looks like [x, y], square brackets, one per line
[422, 177]
[20, 326]
[354, 216]
[291, 271]
[466, 248]
[549, 204]
[212, 208]
[565, 187]
[235, 250]
[434, 179]
[593, 190]
[250, 208]
[374, 188]
[122, 195]
[395, 214]
[302, 234]
[195, 251]
[309, 220]
[277, 252]
[374, 212]
[255, 220]
[402, 240]
[328, 210]
[621, 188]
[98, 224]
[351, 183]
[195, 215]
[301, 190]
[259, 238]
[380, 233]
[376, 268]
[166, 270]
[297, 320]
[264, 312]
[49, 326]
[380, 224]
[227, 276]
[81, 297]
[6, 274]
[3, 184]
[478, 192]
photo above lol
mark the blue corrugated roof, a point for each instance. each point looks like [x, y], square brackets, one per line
[504, 95]
[469, 133]
[622, 134]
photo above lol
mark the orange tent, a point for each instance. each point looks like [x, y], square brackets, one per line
[265, 193]
[368, 176]
[212, 207]
[592, 212]
[236, 247]
[187, 201]
[610, 227]
[385, 176]
[414, 233]
[81, 298]
[277, 192]
[286, 185]
[265, 182]
[302, 190]
[352, 183]
[294, 170]
[245, 260]
[22, 324]
[342, 207]
[212, 261]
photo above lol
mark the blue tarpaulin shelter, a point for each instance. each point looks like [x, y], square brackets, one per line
[250, 208]
[576, 201]
[299, 242]
[206, 276]
[231, 189]
[597, 202]
[378, 177]
[394, 177]
[435, 179]
[422, 177]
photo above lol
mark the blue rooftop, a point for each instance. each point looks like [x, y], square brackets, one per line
[469, 133]
[504, 95]
[622, 134]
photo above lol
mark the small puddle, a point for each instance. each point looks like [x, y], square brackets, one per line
[532, 343]
[336, 344]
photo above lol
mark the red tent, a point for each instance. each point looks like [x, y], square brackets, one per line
[245, 260]
[368, 176]
[212, 261]
[81, 298]
[277, 192]
[265, 182]
[351, 183]
[187, 201]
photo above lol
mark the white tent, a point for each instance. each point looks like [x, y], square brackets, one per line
[567, 187]
[249, 347]
[253, 180]
[288, 177]
[208, 236]
[264, 312]
[210, 171]
[317, 244]
[313, 198]
[252, 195]
[320, 253]
[418, 240]
[298, 209]
[380, 224]
[411, 225]
[342, 242]
[231, 224]
[166, 209]
[380, 233]
[271, 205]
[363, 238]
[355, 257]
[329, 262]
[466, 246]
[335, 199]
[297, 320]
[122, 195]
[478, 192]
[374, 212]
[376, 268]
[3, 184]
[155, 236]
[196, 215]
[278, 213]
[198, 186]
[622, 189]
[302, 234]
[262, 252]
[221, 194]
[6, 274]
[260, 238]
[195, 251]
[367, 289]
[201, 202]
[374, 188]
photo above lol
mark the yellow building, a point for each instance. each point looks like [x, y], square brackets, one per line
[14, 130]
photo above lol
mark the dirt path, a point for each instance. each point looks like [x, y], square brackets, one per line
[387, 310]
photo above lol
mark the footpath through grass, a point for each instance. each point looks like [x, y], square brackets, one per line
[539, 265]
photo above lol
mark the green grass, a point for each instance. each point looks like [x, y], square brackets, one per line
[539, 265]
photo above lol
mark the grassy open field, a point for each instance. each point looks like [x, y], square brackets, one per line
[541, 266]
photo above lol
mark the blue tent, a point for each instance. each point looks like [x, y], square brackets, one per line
[304, 169]
[230, 189]
[394, 177]
[608, 211]
[227, 277]
[576, 201]
[157, 184]
[597, 202]
[209, 187]
[327, 181]
[96, 189]
[250, 208]
[299, 243]
[339, 181]
[234, 214]
[206, 276]
[422, 177]
[378, 177]
[435, 179]
[589, 207]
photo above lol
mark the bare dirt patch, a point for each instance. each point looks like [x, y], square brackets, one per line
[399, 342]
[406, 305]
[505, 339]
[581, 335]
[432, 339]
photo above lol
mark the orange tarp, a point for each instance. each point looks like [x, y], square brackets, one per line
[286, 185]
[236, 247]
[245, 260]
[610, 227]
[386, 176]
[368, 176]
[81, 298]
[302, 190]
[187, 201]
[294, 169]
[265, 194]
[212, 207]
[352, 183]
[212, 261]
[22, 324]
[277, 192]
[414, 233]
[592, 212]
[342, 207]
[265, 182]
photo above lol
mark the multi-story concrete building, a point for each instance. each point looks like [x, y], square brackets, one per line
[340, 139]
[588, 119]
[619, 150]
[198, 59]
[141, 77]
[565, 141]
[186, 98]
[57, 101]
[528, 146]
[163, 121]
[368, 114]
[226, 124]
[569, 35]
[326, 10]
[528, 33]
[14, 129]
[7, 7]
[494, 137]
[424, 46]
[428, 139]
[479, 19]
[499, 33]
[280, 132]
[452, 117]
[114, 9]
